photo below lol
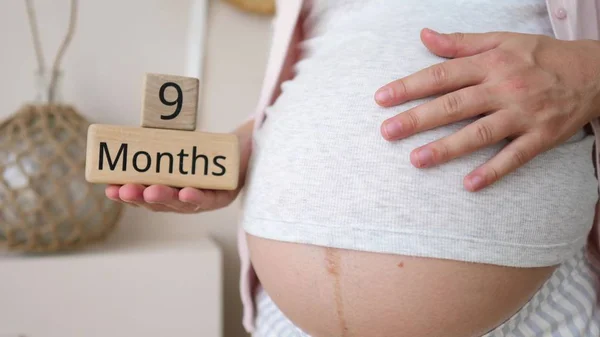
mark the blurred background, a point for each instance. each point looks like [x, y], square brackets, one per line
[115, 43]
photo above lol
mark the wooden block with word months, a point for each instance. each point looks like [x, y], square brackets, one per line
[170, 102]
[124, 154]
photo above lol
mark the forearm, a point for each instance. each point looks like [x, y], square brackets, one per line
[245, 129]
[596, 46]
[244, 132]
[589, 72]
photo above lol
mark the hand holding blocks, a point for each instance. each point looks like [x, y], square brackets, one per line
[165, 150]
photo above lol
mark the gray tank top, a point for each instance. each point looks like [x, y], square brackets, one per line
[322, 174]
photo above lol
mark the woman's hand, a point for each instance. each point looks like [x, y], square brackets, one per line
[534, 90]
[162, 198]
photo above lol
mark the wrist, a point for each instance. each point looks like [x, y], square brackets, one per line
[591, 61]
[597, 79]
[244, 133]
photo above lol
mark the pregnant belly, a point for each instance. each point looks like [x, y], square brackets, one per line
[343, 293]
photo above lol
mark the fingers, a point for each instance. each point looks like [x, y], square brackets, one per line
[437, 79]
[516, 154]
[461, 44]
[156, 198]
[461, 71]
[132, 193]
[112, 192]
[453, 107]
[159, 208]
[169, 197]
[191, 195]
[479, 134]
[207, 199]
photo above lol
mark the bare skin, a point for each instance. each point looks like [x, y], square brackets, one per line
[534, 90]
[333, 293]
[187, 200]
[341, 293]
[546, 88]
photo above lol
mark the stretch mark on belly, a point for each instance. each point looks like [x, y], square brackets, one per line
[332, 263]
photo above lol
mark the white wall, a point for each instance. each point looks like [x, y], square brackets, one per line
[116, 42]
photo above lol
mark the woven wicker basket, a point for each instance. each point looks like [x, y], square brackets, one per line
[45, 202]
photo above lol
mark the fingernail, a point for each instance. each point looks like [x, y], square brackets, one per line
[475, 182]
[392, 129]
[424, 157]
[131, 203]
[383, 95]
[433, 32]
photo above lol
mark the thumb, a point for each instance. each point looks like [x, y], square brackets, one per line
[460, 44]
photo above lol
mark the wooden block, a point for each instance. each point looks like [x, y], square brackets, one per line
[123, 154]
[170, 102]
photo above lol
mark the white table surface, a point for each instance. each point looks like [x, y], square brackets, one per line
[158, 288]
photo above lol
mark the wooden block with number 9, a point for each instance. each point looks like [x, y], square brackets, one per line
[170, 102]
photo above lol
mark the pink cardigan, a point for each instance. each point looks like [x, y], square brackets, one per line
[571, 20]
